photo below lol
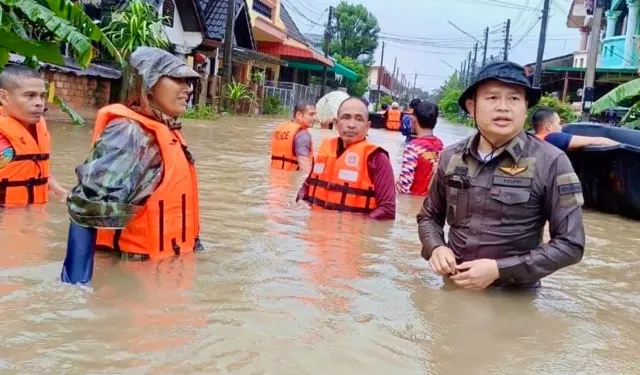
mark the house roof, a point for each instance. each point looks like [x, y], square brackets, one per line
[214, 18]
[290, 26]
[101, 70]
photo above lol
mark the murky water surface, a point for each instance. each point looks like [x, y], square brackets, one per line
[281, 291]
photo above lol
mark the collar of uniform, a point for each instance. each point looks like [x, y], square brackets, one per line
[514, 147]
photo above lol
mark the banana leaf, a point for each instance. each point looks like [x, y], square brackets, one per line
[75, 15]
[58, 26]
[632, 111]
[48, 52]
[64, 107]
[624, 95]
[16, 25]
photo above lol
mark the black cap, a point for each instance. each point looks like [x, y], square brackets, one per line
[506, 72]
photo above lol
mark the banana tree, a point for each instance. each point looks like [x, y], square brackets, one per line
[37, 29]
[137, 25]
[626, 95]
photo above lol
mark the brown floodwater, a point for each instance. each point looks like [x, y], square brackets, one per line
[280, 290]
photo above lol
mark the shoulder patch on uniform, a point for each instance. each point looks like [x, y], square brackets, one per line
[569, 190]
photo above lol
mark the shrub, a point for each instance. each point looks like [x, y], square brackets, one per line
[271, 105]
[202, 112]
[563, 108]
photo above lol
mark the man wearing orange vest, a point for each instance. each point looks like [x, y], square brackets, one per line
[350, 174]
[137, 193]
[291, 144]
[25, 146]
[394, 117]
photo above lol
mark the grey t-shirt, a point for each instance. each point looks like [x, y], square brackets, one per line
[302, 143]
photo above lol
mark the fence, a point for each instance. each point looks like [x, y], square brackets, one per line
[290, 93]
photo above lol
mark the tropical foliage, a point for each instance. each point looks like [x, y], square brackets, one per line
[235, 92]
[38, 30]
[359, 87]
[626, 95]
[358, 32]
[202, 112]
[563, 108]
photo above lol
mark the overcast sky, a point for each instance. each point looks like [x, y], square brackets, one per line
[428, 19]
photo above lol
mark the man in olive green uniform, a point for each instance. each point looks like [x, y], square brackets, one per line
[497, 189]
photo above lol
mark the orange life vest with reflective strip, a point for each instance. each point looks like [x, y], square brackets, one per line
[342, 183]
[282, 153]
[25, 180]
[394, 119]
[169, 222]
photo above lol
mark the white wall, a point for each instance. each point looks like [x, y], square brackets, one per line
[184, 41]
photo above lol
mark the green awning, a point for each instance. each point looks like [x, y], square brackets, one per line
[337, 68]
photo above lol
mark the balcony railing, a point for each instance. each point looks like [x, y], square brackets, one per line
[262, 8]
[613, 53]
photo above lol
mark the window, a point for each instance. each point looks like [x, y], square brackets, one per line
[168, 10]
[262, 8]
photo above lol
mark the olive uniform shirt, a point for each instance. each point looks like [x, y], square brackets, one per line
[498, 209]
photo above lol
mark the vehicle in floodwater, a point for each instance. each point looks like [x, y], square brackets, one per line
[610, 176]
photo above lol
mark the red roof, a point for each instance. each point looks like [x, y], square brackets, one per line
[286, 51]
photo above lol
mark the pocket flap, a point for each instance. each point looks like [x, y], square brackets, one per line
[510, 196]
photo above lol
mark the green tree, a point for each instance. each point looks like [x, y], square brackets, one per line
[37, 29]
[359, 87]
[358, 32]
[139, 24]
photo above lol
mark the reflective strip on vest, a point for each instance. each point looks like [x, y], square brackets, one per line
[25, 179]
[169, 223]
[342, 183]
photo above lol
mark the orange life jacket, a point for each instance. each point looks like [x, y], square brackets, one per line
[342, 183]
[25, 180]
[393, 119]
[282, 153]
[169, 222]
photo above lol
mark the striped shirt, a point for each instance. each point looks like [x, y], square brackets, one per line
[419, 161]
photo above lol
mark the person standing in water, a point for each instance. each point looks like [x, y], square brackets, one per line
[291, 143]
[421, 155]
[497, 189]
[25, 144]
[137, 193]
[351, 174]
[408, 121]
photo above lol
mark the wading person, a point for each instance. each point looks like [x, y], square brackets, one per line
[291, 143]
[497, 189]
[421, 154]
[408, 120]
[393, 117]
[25, 145]
[351, 174]
[547, 125]
[137, 193]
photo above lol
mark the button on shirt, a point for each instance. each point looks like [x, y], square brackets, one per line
[498, 209]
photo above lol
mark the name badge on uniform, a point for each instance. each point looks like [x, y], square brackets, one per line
[347, 175]
[318, 168]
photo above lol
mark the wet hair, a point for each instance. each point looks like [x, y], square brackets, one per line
[414, 103]
[426, 114]
[12, 75]
[541, 116]
[350, 99]
[302, 105]
[385, 107]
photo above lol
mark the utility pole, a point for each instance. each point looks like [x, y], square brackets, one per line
[393, 76]
[486, 42]
[380, 75]
[463, 76]
[415, 80]
[469, 68]
[506, 40]
[592, 60]
[328, 32]
[537, 76]
[475, 56]
[228, 42]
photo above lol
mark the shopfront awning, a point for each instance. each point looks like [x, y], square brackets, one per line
[243, 55]
[292, 52]
[337, 69]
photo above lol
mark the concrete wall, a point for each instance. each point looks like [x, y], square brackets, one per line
[184, 41]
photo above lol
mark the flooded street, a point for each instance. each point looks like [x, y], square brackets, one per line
[282, 291]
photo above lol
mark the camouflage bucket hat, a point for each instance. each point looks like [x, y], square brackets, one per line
[154, 63]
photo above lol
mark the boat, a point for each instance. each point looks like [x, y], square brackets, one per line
[610, 176]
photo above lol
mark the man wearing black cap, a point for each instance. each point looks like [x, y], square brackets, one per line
[497, 189]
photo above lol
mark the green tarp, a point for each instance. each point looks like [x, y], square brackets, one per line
[338, 69]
